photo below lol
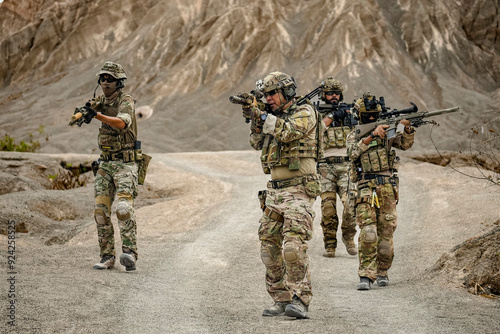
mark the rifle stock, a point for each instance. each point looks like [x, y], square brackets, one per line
[416, 119]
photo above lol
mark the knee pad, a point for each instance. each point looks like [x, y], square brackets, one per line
[123, 210]
[370, 234]
[100, 217]
[290, 253]
[268, 254]
[328, 209]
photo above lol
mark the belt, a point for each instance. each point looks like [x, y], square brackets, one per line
[274, 215]
[379, 179]
[126, 156]
[280, 184]
[330, 160]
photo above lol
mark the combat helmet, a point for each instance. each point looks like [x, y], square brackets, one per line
[114, 69]
[278, 80]
[367, 106]
[331, 85]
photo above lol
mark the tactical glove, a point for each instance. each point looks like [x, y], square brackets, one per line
[89, 113]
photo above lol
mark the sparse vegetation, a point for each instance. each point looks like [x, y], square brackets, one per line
[8, 143]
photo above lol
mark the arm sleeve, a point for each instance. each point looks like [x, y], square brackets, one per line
[298, 125]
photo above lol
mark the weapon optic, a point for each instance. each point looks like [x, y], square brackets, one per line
[392, 120]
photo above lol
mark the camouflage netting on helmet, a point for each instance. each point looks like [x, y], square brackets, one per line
[278, 80]
[113, 69]
[331, 85]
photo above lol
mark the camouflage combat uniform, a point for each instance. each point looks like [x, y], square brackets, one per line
[117, 174]
[375, 170]
[289, 149]
[334, 169]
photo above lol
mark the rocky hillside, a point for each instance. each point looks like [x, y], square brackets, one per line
[184, 59]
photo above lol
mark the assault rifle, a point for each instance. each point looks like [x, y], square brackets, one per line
[340, 111]
[306, 98]
[246, 99]
[82, 114]
[395, 116]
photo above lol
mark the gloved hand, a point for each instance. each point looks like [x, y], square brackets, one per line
[89, 113]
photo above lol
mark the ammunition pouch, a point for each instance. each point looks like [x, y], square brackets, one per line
[336, 136]
[143, 167]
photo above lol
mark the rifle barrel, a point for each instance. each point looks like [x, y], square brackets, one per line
[442, 111]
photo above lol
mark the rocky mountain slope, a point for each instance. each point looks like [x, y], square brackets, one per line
[184, 59]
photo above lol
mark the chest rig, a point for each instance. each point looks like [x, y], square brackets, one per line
[114, 142]
[377, 158]
[335, 136]
[277, 154]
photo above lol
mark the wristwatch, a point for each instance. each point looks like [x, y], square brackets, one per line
[263, 117]
[330, 116]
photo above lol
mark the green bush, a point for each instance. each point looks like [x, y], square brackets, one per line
[8, 143]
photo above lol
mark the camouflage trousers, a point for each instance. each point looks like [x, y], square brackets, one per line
[120, 179]
[377, 224]
[335, 181]
[283, 233]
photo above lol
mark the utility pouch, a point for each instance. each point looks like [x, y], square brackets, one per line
[143, 168]
[374, 160]
[108, 141]
[262, 199]
[294, 163]
[95, 167]
[312, 185]
[383, 158]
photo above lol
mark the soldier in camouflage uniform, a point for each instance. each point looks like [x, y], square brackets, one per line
[287, 138]
[118, 168]
[333, 168]
[375, 169]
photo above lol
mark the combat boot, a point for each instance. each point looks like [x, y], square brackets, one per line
[382, 281]
[364, 283]
[127, 259]
[350, 247]
[276, 310]
[107, 262]
[329, 252]
[297, 309]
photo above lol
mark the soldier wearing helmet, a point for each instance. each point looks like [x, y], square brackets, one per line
[287, 138]
[374, 167]
[118, 167]
[333, 168]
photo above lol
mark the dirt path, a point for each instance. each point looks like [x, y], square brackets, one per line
[199, 269]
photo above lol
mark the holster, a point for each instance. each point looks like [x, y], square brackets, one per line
[95, 167]
[143, 168]
[262, 199]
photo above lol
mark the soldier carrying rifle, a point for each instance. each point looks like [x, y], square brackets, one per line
[120, 168]
[374, 166]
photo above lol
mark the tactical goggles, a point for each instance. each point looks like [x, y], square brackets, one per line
[331, 92]
[107, 77]
[271, 93]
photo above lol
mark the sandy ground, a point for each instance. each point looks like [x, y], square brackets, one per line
[199, 269]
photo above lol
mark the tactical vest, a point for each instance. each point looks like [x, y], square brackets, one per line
[376, 158]
[277, 154]
[111, 140]
[336, 136]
